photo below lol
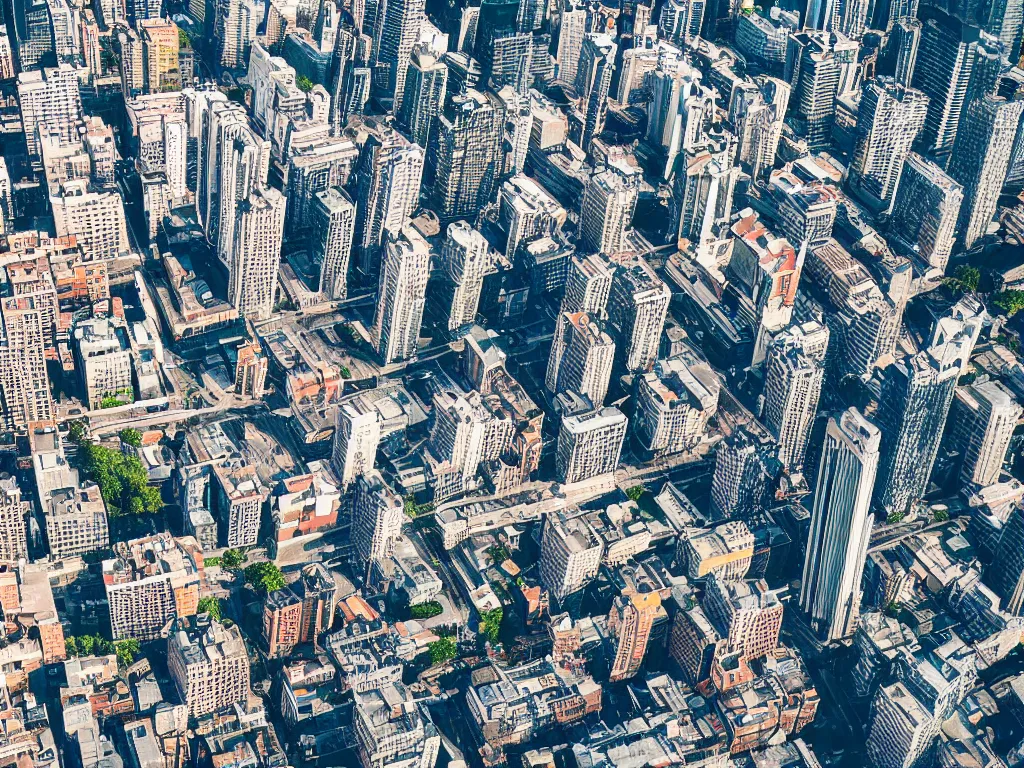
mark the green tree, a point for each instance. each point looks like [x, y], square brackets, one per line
[127, 651]
[212, 606]
[76, 431]
[426, 610]
[122, 479]
[410, 506]
[87, 645]
[636, 492]
[264, 577]
[304, 84]
[131, 437]
[940, 515]
[965, 279]
[232, 559]
[71, 646]
[1011, 302]
[490, 624]
[442, 650]
[183, 41]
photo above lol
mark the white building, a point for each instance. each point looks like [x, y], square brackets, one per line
[401, 296]
[570, 554]
[96, 219]
[334, 221]
[590, 444]
[255, 255]
[581, 357]
[984, 417]
[674, 403]
[377, 517]
[356, 437]
[467, 258]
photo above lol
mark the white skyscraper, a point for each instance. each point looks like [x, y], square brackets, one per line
[581, 358]
[401, 295]
[588, 284]
[255, 256]
[925, 212]
[590, 444]
[570, 42]
[609, 200]
[570, 554]
[24, 384]
[49, 100]
[356, 437]
[377, 517]
[399, 29]
[467, 257]
[334, 222]
[840, 526]
[637, 307]
[237, 22]
[984, 417]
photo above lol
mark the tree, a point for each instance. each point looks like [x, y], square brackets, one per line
[71, 646]
[127, 651]
[212, 606]
[264, 577]
[1011, 302]
[426, 610]
[304, 84]
[86, 645]
[636, 492]
[490, 624]
[76, 431]
[442, 650]
[232, 559]
[965, 279]
[183, 41]
[131, 437]
[940, 515]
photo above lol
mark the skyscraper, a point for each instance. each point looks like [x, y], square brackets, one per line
[468, 154]
[588, 284]
[502, 48]
[467, 258]
[984, 417]
[377, 517]
[571, 32]
[758, 112]
[819, 66]
[673, 405]
[916, 394]
[740, 483]
[630, 623]
[590, 444]
[255, 255]
[593, 80]
[334, 220]
[980, 158]
[209, 664]
[925, 212]
[399, 30]
[637, 308]
[840, 526]
[888, 121]
[570, 554]
[581, 358]
[13, 540]
[792, 388]
[426, 84]
[49, 100]
[905, 38]
[680, 21]
[945, 61]
[609, 199]
[237, 22]
[822, 15]
[24, 383]
[356, 437]
[401, 294]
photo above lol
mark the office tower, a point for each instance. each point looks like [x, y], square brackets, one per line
[96, 219]
[334, 223]
[853, 16]
[1004, 22]
[393, 729]
[104, 360]
[463, 434]
[143, 599]
[805, 210]
[792, 388]
[637, 307]
[961, 325]
[840, 526]
[468, 155]
[399, 32]
[13, 538]
[209, 664]
[588, 284]
[7, 69]
[925, 212]
[256, 253]
[984, 417]
[680, 21]
[674, 403]
[758, 112]
[314, 167]
[63, 25]
[24, 383]
[389, 185]
[377, 517]
[49, 100]
[590, 444]
[426, 84]
[943, 71]
[609, 199]
[980, 158]
[905, 39]
[570, 554]
[747, 614]
[740, 483]
[902, 730]
[527, 211]
[343, 61]
[503, 50]
[581, 357]
[629, 623]
[916, 394]
[356, 437]
[30, 32]
[401, 294]
[593, 80]
[159, 55]
[889, 119]
[819, 67]
[822, 15]
[237, 22]
[467, 258]
[1006, 572]
[570, 42]
[702, 195]
[133, 75]
[282, 616]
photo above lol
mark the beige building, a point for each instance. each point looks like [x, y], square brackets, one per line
[209, 664]
[24, 384]
[13, 541]
[96, 219]
[159, 54]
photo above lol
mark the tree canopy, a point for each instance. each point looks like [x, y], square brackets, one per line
[122, 479]
[264, 577]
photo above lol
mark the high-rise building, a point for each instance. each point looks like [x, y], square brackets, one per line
[467, 258]
[822, 15]
[916, 394]
[31, 35]
[377, 517]
[609, 199]
[159, 54]
[1006, 572]
[237, 23]
[572, 30]
[468, 154]
[13, 538]
[389, 186]
[590, 444]
[570, 554]
[426, 85]
[393, 729]
[739, 485]
[819, 67]
[334, 222]
[637, 307]
[703, 190]
[581, 357]
[398, 27]
[1005, 18]
[840, 526]
[527, 211]
[747, 614]
[853, 16]
[356, 437]
[24, 383]
[925, 212]
[312, 168]
[96, 219]
[256, 253]
[239, 496]
[104, 360]
[502, 48]
[401, 296]
[588, 284]
[630, 623]
[943, 70]
[680, 21]
[905, 39]
[593, 80]
[792, 388]
[981, 155]
[49, 100]
[984, 417]
[209, 664]
[150, 582]
[674, 403]
[758, 111]
[76, 521]
[888, 121]
[902, 730]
